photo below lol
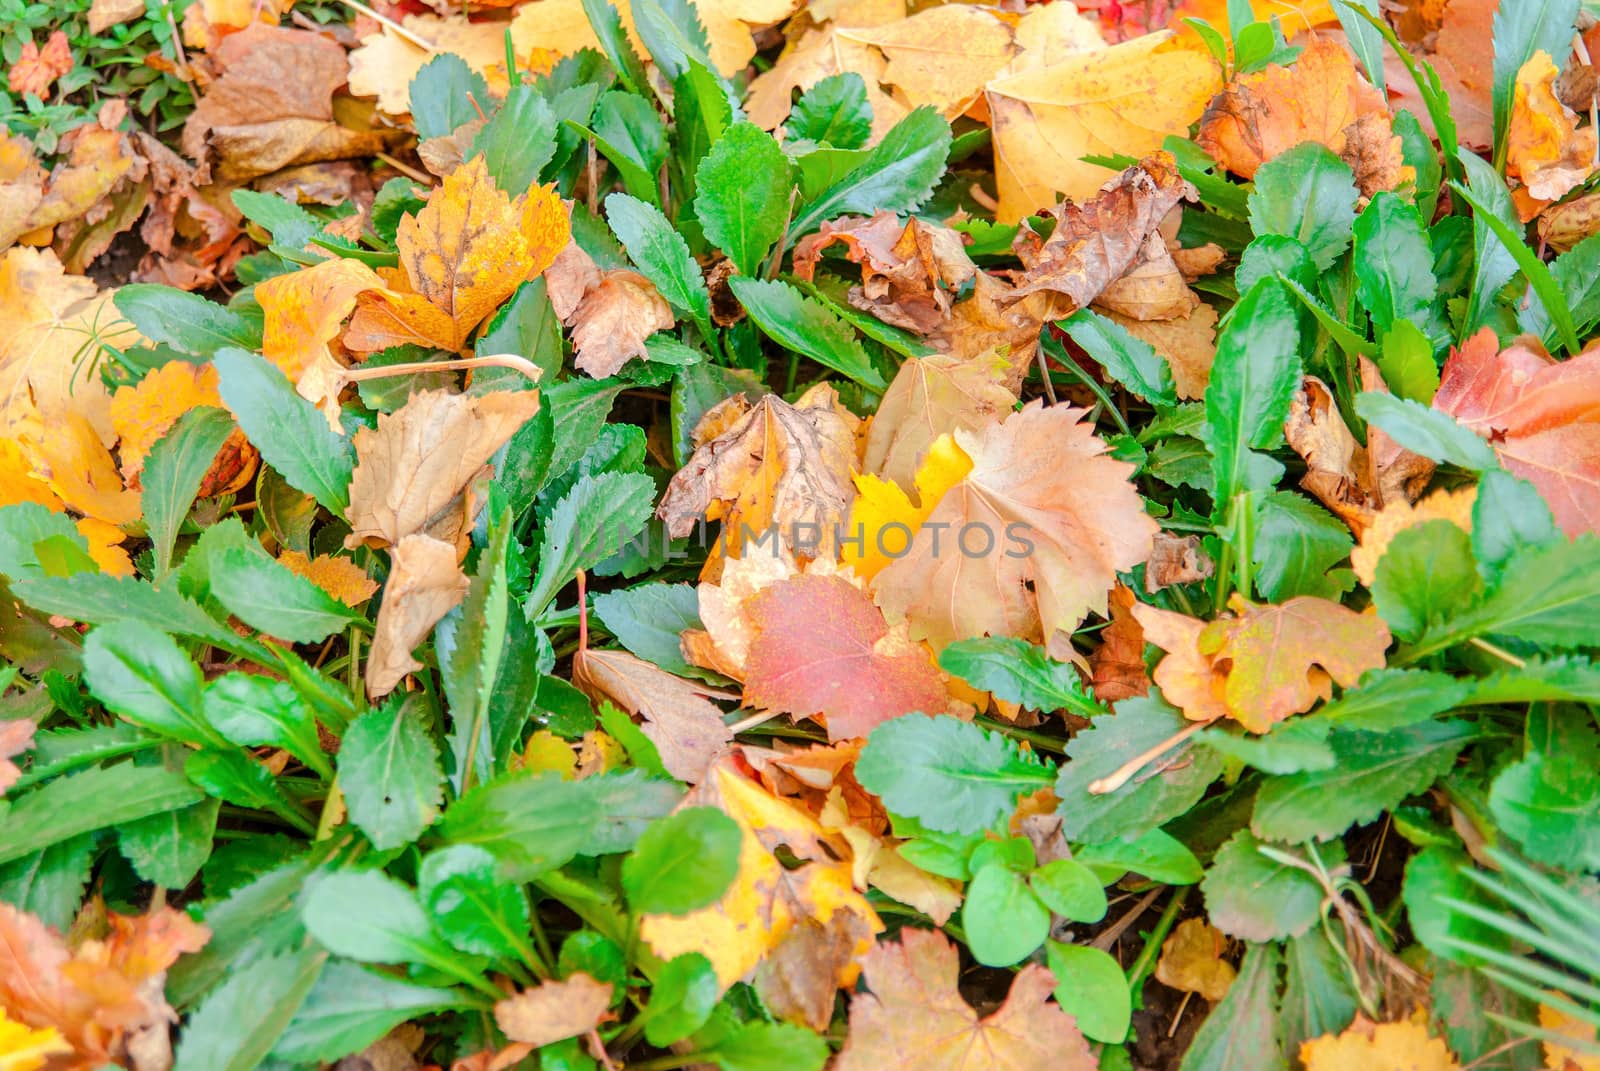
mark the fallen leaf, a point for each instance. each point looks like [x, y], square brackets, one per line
[996, 327]
[1058, 520]
[413, 470]
[1262, 663]
[1188, 345]
[777, 470]
[930, 397]
[613, 319]
[555, 1010]
[915, 1017]
[1462, 56]
[1396, 517]
[385, 63]
[1117, 666]
[942, 56]
[1369, 1046]
[909, 271]
[104, 14]
[1545, 150]
[36, 69]
[425, 583]
[857, 673]
[768, 899]
[1375, 154]
[146, 411]
[1540, 415]
[19, 483]
[1191, 960]
[302, 313]
[679, 718]
[16, 737]
[338, 576]
[1176, 560]
[883, 520]
[879, 864]
[1564, 225]
[1121, 100]
[1559, 1057]
[724, 644]
[22, 1048]
[1152, 288]
[82, 473]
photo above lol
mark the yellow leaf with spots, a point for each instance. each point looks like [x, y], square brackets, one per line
[18, 482]
[769, 903]
[143, 413]
[303, 310]
[1369, 1046]
[339, 577]
[884, 521]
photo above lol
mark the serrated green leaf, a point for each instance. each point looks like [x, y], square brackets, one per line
[1297, 545]
[350, 1007]
[83, 802]
[1393, 262]
[1427, 575]
[683, 862]
[661, 255]
[1241, 1033]
[268, 596]
[145, 677]
[471, 906]
[255, 711]
[649, 619]
[590, 523]
[1255, 898]
[518, 140]
[368, 916]
[742, 197]
[834, 111]
[1019, 672]
[187, 322]
[672, 32]
[173, 472]
[630, 133]
[530, 824]
[1128, 360]
[442, 95]
[1256, 372]
[389, 773]
[897, 174]
[48, 884]
[1492, 262]
[168, 849]
[1318, 998]
[807, 327]
[1310, 195]
[1426, 431]
[236, 1026]
[607, 26]
[470, 642]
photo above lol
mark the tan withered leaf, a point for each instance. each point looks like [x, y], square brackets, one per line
[553, 1011]
[679, 718]
[613, 318]
[1191, 960]
[930, 397]
[1544, 147]
[878, 863]
[941, 56]
[302, 313]
[776, 467]
[1153, 288]
[1117, 665]
[1176, 560]
[915, 1019]
[412, 469]
[1262, 663]
[909, 271]
[1041, 478]
[425, 583]
[994, 323]
[1188, 345]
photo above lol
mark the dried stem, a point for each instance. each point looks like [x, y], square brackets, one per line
[416, 39]
[407, 368]
[1123, 773]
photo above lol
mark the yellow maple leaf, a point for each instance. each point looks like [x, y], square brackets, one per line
[338, 576]
[302, 311]
[1125, 100]
[883, 519]
[1369, 1046]
[143, 413]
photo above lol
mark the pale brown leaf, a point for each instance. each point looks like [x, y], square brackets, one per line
[425, 583]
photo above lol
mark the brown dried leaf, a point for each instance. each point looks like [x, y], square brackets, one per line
[1117, 665]
[1191, 960]
[930, 397]
[613, 319]
[679, 718]
[1188, 345]
[425, 583]
[553, 1011]
[909, 271]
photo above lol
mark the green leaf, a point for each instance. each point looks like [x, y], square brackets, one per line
[1434, 875]
[268, 596]
[142, 675]
[518, 140]
[1426, 431]
[1241, 1033]
[1139, 724]
[1577, 273]
[1318, 998]
[255, 711]
[625, 804]
[525, 325]
[1297, 545]
[1254, 898]
[187, 322]
[1406, 361]
[292, 435]
[367, 916]
[257, 914]
[1293, 748]
[389, 773]
[834, 111]
[591, 522]
[25, 529]
[742, 197]
[442, 95]
[530, 824]
[1017, 671]
[49, 883]
[1427, 575]
[236, 1026]
[97, 599]
[607, 26]
[1550, 801]
[168, 849]
[683, 862]
[1545, 287]
[1128, 360]
[949, 775]
[350, 1007]
[97, 798]
[1521, 28]
[1507, 515]
[1002, 918]
[1393, 262]
[1373, 773]
[649, 619]
[681, 1000]
[759, 1046]
[1070, 889]
[1254, 375]
[1091, 988]
[1158, 855]
[807, 327]
[897, 175]
[1308, 194]
[1493, 264]
[173, 472]
[672, 32]
[1367, 43]
[579, 408]
[471, 906]
[1392, 699]
[631, 135]
[470, 643]
[1546, 595]
[662, 256]
[234, 776]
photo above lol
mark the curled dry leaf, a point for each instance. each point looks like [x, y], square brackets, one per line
[914, 1017]
[414, 469]
[16, 737]
[1191, 960]
[779, 473]
[1396, 517]
[1263, 663]
[553, 1011]
[1028, 543]
[1117, 665]
[878, 863]
[1176, 560]
[338, 576]
[425, 583]
[909, 271]
[610, 313]
[857, 673]
[679, 717]
[1540, 415]
[1369, 1046]
[1153, 288]
[996, 327]
[1545, 150]
[930, 397]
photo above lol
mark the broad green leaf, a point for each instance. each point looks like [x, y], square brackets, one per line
[350, 1007]
[806, 326]
[1539, 680]
[607, 26]
[834, 111]
[291, 434]
[259, 913]
[530, 824]
[1373, 773]
[527, 326]
[1296, 747]
[471, 906]
[1297, 545]
[1019, 672]
[1426, 431]
[681, 1000]
[578, 408]
[187, 322]
[1545, 595]
[1318, 997]
[1070, 889]
[1091, 988]
[470, 643]
[672, 32]
[368, 916]
[1003, 920]
[1406, 361]
[1310, 195]
[1521, 28]
[96, 599]
[759, 1046]
[1507, 515]
[625, 804]
[1427, 575]
[949, 775]
[167, 849]
[683, 862]
[268, 596]
[236, 1026]
[255, 711]
[234, 776]
[142, 675]
[1145, 803]
[24, 526]
[1493, 264]
[1158, 855]
[1128, 360]
[1393, 262]
[742, 195]
[48, 884]
[897, 175]
[1432, 875]
[518, 140]
[591, 522]
[662, 256]
[1255, 898]
[630, 133]
[649, 619]
[389, 773]
[97, 798]
[1549, 802]
[1241, 1033]
[1255, 373]
[173, 472]
[443, 93]
[1392, 699]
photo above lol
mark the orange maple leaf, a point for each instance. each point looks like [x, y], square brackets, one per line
[37, 69]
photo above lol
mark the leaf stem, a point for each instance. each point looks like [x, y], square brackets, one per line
[1122, 774]
[407, 368]
[384, 20]
[1146, 963]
